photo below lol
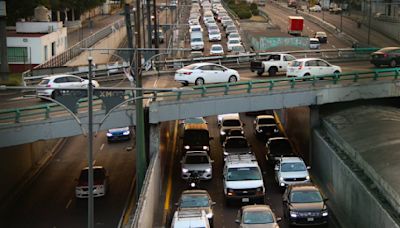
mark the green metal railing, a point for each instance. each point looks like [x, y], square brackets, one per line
[47, 111]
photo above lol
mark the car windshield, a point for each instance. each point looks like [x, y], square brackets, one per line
[231, 123]
[98, 174]
[244, 173]
[196, 29]
[216, 48]
[196, 159]
[281, 147]
[196, 137]
[233, 35]
[196, 40]
[214, 32]
[293, 167]
[198, 120]
[44, 82]
[194, 201]
[257, 217]
[305, 197]
[236, 143]
[234, 41]
[266, 121]
[314, 42]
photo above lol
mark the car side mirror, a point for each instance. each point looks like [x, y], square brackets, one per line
[276, 168]
[326, 199]
[212, 161]
[176, 204]
[243, 124]
[278, 219]
[237, 221]
[284, 200]
[308, 167]
[213, 203]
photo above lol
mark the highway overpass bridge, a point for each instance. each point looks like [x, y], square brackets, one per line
[25, 125]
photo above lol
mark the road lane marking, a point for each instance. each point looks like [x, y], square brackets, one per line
[102, 146]
[169, 183]
[68, 204]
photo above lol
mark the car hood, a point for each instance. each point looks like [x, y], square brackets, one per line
[117, 130]
[197, 167]
[318, 206]
[298, 174]
[244, 184]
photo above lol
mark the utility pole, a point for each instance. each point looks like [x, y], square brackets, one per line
[155, 25]
[129, 32]
[3, 42]
[148, 23]
[141, 162]
[369, 21]
[90, 148]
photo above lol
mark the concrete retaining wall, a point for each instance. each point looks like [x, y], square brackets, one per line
[18, 164]
[345, 186]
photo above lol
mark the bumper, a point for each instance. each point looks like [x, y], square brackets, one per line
[118, 138]
[82, 194]
[306, 221]
[287, 183]
[204, 176]
[45, 92]
[245, 199]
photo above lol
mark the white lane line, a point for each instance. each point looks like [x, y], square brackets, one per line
[102, 146]
[68, 204]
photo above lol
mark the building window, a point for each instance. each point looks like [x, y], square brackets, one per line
[17, 54]
[53, 49]
[46, 53]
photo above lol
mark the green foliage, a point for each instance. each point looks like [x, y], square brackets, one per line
[243, 9]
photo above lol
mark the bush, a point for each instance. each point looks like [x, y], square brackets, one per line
[253, 6]
[243, 9]
[243, 13]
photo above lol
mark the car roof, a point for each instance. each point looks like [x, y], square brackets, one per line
[388, 49]
[257, 207]
[290, 159]
[314, 39]
[202, 64]
[59, 76]
[306, 59]
[216, 45]
[265, 117]
[195, 191]
[196, 153]
[305, 186]
[320, 33]
[277, 138]
[196, 126]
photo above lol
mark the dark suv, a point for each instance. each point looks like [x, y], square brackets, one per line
[386, 56]
[196, 137]
[304, 205]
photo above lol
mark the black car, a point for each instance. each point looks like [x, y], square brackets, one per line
[277, 147]
[386, 56]
[265, 126]
[196, 137]
[304, 205]
[236, 145]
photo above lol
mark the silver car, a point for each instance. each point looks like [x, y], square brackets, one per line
[196, 163]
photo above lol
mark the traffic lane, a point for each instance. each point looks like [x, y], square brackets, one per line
[275, 13]
[50, 200]
[350, 27]
[167, 81]
[224, 216]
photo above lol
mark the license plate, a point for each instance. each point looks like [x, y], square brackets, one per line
[310, 219]
[245, 200]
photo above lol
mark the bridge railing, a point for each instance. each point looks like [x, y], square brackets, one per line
[46, 111]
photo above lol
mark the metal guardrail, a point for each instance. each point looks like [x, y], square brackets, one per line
[43, 112]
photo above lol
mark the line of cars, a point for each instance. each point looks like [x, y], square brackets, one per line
[242, 176]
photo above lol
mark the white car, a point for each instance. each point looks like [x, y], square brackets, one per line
[214, 35]
[100, 182]
[311, 67]
[191, 218]
[47, 86]
[197, 43]
[234, 35]
[315, 8]
[291, 170]
[202, 73]
[314, 43]
[195, 28]
[231, 43]
[196, 163]
[216, 49]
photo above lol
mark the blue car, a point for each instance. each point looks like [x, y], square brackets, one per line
[118, 134]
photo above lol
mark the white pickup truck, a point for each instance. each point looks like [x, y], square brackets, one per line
[273, 64]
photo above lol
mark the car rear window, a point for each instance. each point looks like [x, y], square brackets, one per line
[296, 63]
[44, 82]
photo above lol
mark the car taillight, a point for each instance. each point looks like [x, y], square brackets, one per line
[48, 85]
[385, 55]
[187, 73]
[300, 67]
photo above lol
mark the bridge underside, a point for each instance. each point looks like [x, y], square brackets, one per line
[159, 111]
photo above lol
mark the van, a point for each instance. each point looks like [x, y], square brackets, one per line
[196, 41]
[314, 43]
[196, 137]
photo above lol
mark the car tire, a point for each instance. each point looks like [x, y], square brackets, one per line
[306, 75]
[259, 73]
[199, 81]
[392, 63]
[185, 83]
[232, 78]
[272, 71]
[337, 73]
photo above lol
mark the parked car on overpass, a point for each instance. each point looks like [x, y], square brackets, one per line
[389, 56]
[311, 67]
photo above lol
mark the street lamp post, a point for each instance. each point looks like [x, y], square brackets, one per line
[90, 147]
[369, 21]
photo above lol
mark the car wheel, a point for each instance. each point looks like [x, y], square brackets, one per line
[306, 75]
[259, 73]
[392, 63]
[232, 78]
[199, 81]
[272, 71]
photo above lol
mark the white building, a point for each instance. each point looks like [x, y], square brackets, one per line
[33, 43]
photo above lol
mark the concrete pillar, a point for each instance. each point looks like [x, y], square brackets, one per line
[314, 123]
[154, 146]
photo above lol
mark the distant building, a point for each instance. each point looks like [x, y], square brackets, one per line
[32, 43]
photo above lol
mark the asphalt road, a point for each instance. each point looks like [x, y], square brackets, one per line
[225, 215]
[50, 200]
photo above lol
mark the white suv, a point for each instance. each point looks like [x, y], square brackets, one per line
[291, 170]
[243, 179]
[190, 218]
[311, 67]
[48, 84]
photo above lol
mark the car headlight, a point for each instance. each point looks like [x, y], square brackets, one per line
[126, 133]
[187, 147]
[205, 147]
[184, 170]
[222, 132]
[210, 215]
[276, 130]
[307, 177]
[109, 134]
[208, 170]
[226, 153]
[280, 178]
[259, 129]
[324, 213]
[293, 214]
